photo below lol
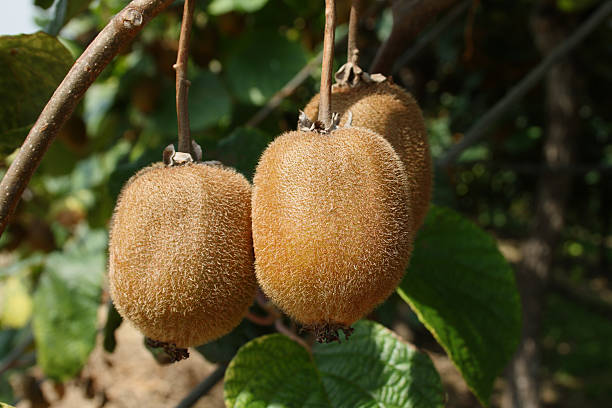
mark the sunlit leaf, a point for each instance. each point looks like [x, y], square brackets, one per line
[15, 303]
[373, 368]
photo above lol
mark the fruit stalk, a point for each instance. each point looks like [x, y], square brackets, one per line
[325, 113]
[182, 83]
[352, 55]
[117, 33]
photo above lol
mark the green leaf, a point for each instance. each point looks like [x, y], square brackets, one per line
[373, 368]
[463, 290]
[242, 149]
[3, 405]
[261, 64]
[56, 23]
[64, 11]
[217, 7]
[31, 67]
[273, 371]
[209, 102]
[66, 304]
[44, 4]
[376, 368]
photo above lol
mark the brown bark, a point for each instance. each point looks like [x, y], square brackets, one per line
[117, 33]
[533, 273]
[325, 108]
[182, 83]
[409, 19]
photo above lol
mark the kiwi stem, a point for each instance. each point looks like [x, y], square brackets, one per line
[182, 83]
[281, 328]
[261, 320]
[352, 55]
[325, 112]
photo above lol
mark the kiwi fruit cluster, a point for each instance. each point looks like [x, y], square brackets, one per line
[335, 214]
[181, 253]
[326, 230]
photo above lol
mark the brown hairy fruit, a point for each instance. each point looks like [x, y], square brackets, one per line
[332, 226]
[180, 252]
[390, 111]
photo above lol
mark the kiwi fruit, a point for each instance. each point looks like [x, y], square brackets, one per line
[181, 265]
[332, 226]
[390, 111]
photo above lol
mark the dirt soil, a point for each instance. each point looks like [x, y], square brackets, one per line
[131, 378]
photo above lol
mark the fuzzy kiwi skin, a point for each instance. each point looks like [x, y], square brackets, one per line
[332, 226]
[390, 111]
[181, 265]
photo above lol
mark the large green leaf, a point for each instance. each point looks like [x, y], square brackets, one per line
[374, 368]
[463, 290]
[31, 67]
[261, 64]
[3, 405]
[217, 7]
[273, 371]
[66, 304]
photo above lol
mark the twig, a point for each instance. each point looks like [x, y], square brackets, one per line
[325, 112]
[409, 19]
[10, 360]
[281, 328]
[431, 35]
[261, 320]
[203, 388]
[117, 33]
[182, 84]
[352, 54]
[487, 122]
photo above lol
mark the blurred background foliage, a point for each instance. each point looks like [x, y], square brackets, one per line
[242, 52]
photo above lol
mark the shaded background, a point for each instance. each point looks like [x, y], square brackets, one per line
[243, 52]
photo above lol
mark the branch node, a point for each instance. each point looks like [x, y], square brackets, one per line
[132, 18]
[174, 158]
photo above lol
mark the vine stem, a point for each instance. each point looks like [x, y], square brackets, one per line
[281, 328]
[115, 36]
[352, 55]
[182, 83]
[325, 113]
